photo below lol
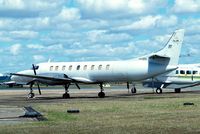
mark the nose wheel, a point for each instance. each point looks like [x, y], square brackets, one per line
[31, 95]
[133, 90]
[159, 91]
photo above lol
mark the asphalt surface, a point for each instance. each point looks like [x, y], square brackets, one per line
[13, 101]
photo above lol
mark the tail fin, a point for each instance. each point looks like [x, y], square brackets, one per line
[172, 49]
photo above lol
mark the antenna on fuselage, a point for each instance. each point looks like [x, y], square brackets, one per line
[49, 60]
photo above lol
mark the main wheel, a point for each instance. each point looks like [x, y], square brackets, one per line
[159, 91]
[66, 96]
[133, 90]
[177, 90]
[31, 95]
[101, 94]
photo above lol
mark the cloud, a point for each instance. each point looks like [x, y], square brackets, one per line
[24, 34]
[39, 58]
[102, 36]
[35, 46]
[116, 8]
[149, 22]
[28, 8]
[67, 14]
[12, 4]
[186, 6]
[15, 49]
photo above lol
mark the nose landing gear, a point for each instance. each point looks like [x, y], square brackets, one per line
[31, 94]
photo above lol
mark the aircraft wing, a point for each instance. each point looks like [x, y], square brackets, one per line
[8, 83]
[185, 85]
[64, 79]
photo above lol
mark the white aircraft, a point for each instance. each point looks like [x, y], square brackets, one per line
[99, 72]
[5, 80]
[187, 75]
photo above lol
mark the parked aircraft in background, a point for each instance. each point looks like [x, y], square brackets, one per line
[187, 75]
[99, 72]
[6, 80]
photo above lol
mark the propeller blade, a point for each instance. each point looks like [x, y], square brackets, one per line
[34, 69]
[77, 86]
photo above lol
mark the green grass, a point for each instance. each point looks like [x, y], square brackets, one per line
[163, 114]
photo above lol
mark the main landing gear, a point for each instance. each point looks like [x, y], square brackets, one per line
[177, 90]
[66, 94]
[101, 94]
[159, 90]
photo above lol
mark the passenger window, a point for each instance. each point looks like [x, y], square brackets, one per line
[70, 67]
[177, 72]
[195, 72]
[56, 68]
[100, 67]
[107, 67]
[189, 72]
[51, 68]
[182, 72]
[85, 67]
[92, 67]
[78, 67]
[63, 68]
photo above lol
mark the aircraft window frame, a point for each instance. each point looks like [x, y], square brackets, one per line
[182, 71]
[92, 67]
[63, 68]
[56, 68]
[177, 71]
[51, 68]
[100, 67]
[78, 67]
[188, 72]
[70, 68]
[108, 67]
[85, 67]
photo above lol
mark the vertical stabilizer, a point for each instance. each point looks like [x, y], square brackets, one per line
[173, 47]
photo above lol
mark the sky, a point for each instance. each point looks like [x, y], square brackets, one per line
[34, 31]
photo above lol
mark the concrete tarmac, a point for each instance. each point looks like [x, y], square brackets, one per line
[12, 101]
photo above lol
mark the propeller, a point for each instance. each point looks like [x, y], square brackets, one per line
[34, 70]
